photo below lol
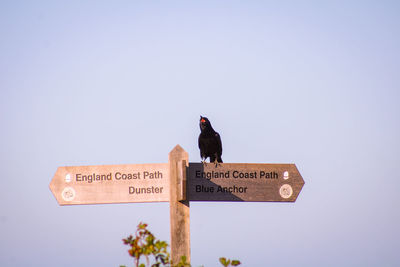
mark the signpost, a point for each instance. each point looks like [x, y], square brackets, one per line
[244, 182]
[111, 184]
[177, 182]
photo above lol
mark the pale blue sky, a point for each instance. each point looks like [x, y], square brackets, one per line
[314, 83]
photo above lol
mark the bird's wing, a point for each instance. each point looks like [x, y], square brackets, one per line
[201, 145]
[219, 143]
[199, 142]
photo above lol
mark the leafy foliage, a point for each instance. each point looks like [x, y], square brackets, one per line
[144, 244]
[227, 262]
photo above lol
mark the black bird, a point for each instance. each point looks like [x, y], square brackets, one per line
[209, 142]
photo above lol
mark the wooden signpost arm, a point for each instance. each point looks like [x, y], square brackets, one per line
[179, 205]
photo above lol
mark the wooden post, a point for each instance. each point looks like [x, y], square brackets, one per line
[179, 205]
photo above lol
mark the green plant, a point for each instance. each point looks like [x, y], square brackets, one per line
[182, 263]
[227, 262]
[144, 244]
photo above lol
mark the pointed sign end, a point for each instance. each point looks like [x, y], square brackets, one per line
[177, 150]
[56, 184]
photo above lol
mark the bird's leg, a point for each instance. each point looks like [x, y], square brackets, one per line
[203, 161]
[216, 163]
